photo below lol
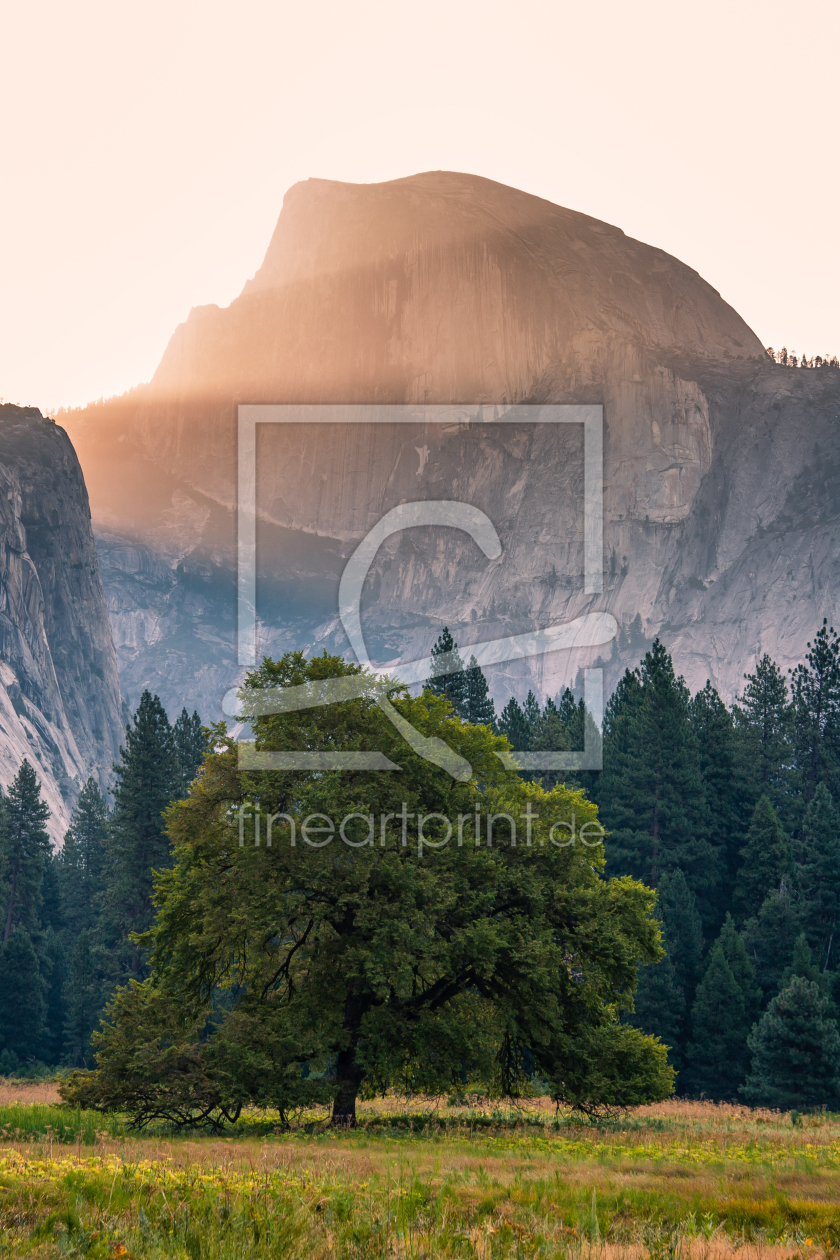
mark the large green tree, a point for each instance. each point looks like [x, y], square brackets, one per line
[385, 939]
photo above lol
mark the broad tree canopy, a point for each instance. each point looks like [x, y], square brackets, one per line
[390, 940]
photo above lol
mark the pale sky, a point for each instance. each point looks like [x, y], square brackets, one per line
[145, 149]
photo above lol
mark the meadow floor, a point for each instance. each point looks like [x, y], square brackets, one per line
[419, 1178]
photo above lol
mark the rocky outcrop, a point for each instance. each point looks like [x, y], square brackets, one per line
[59, 688]
[720, 466]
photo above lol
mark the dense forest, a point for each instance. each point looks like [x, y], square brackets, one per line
[727, 811]
[69, 915]
[730, 813]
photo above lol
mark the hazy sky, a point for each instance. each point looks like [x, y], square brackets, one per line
[145, 149]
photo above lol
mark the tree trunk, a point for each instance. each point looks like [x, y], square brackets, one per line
[349, 1081]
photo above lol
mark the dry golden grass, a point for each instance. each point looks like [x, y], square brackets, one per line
[27, 1092]
[420, 1178]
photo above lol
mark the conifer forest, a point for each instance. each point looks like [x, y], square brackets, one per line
[729, 812]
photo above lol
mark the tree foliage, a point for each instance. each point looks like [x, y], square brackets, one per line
[795, 1052]
[330, 966]
[447, 678]
[148, 778]
[25, 852]
[652, 796]
[765, 861]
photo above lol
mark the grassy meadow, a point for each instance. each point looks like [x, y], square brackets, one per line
[421, 1178]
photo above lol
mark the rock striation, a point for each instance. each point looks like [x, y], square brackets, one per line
[59, 688]
[722, 468]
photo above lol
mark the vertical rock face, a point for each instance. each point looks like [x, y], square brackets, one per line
[721, 468]
[59, 688]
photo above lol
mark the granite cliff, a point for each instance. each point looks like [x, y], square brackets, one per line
[722, 468]
[59, 688]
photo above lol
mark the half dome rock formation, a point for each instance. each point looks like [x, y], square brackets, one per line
[720, 467]
[59, 689]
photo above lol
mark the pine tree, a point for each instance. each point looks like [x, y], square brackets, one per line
[714, 731]
[549, 734]
[765, 860]
[770, 936]
[52, 911]
[571, 713]
[51, 962]
[682, 930]
[666, 988]
[448, 679]
[725, 1008]
[802, 964]
[83, 1002]
[531, 710]
[479, 708]
[512, 723]
[580, 730]
[22, 1008]
[651, 793]
[148, 779]
[191, 746]
[795, 1051]
[659, 1007]
[26, 849]
[82, 864]
[763, 720]
[741, 966]
[718, 1057]
[816, 706]
[817, 853]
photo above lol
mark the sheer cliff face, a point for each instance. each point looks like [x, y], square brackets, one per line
[59, 690]
[720, 499]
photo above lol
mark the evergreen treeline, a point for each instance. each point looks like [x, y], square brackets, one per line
[68, 915]
[731, 813]
[785, 359]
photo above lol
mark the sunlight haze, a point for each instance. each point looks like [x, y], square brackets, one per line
[146, 151]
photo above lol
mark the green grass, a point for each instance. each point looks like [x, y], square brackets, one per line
[678, 1182]
[24, 1122]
